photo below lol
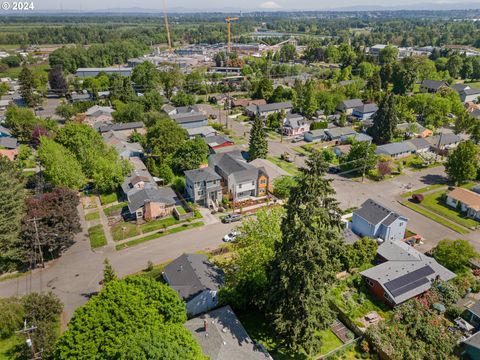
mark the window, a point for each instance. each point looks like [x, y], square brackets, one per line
[401, 223]
[253, 182]
[239, 186]
[369, 282]
[263, 181]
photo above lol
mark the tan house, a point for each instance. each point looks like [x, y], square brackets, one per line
[466, 201]
[151, 203]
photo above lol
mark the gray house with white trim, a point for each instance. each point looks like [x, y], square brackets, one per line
[196, 280]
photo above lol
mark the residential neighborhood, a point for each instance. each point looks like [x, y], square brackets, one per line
[240, 181]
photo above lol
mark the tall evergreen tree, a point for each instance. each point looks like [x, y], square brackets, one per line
[108, 272]
[25, 78]
[306, 260]
[12, 197]
[258, 146]
[384, 121]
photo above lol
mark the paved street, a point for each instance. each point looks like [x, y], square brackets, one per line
[76, 275]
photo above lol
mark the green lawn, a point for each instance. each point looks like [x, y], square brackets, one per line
[422, 190]
[435, 203]
[434, 217]
[181, 210]
[158, 235]
[106, 199]
[14, 72]
[330, 341]
[97, 236]
[114, 208]
[92, 216]
[288, 167]
[124, 230]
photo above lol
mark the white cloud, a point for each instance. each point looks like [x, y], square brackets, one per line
[269, 5]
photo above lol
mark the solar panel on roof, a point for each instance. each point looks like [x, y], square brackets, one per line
[409, 281]
[410, 286]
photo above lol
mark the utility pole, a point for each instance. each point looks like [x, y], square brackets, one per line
[30, 343]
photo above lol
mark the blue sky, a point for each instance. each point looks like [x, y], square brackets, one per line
[229, 4]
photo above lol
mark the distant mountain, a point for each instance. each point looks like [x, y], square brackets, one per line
[419, 6]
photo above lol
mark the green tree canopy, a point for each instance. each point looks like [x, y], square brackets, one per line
[122, 311]
[12, 201]
[454, 254]
[463, 164]
[258, 144]
[384, 121]
[306, 260]
[61, 165]
[164, 138]
[191, 155]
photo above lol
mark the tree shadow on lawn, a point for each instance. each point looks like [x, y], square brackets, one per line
[432, 179]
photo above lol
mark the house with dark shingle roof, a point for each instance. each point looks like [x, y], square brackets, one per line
[222, 337]
[378, 222]
[190, 120]
[336, 133]
[240, 179]
[196, 280]
[396, 150]
[444, 141]
[151, 202]
[347, 106]
[403, 273]
[365, 111]
[432, 86]
[203, 186]
[471, 94]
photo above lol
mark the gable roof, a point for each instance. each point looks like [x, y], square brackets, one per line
[352, 103]
[467, 197]
[121, 126]
[190, 274]
[188, 117]
[460, 87]
[340, 131]
[138, 197]
[274, 106]
[366, 108]
[227, 339]
[395, 148]
[217, 140]
[444, 139]
[203, 174]
[101, 109]
[419, 143]
[407, 272]
[434, 84]
[471, 91]
[375, 213]
[406, 126]
[203, 131]
[273, 171]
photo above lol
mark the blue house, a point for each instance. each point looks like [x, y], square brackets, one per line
[376, 221]
[365, 111]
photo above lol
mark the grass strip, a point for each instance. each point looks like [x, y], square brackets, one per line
[435, 218]
[97, 236]
[158, 235]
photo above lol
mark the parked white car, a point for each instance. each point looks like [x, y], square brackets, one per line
[231, 236]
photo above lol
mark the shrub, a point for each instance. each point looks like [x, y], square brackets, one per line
[11, 316]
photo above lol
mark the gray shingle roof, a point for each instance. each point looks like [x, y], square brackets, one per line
[407, 272]
[366, 108]
[203, 174]
[189, 117]
[190, 274]
[419, 143]
[138, 197]
[352, 103]
[459, 87]
[395, 148]
[4, 130]
[340, 131]
[444, 139]
[434, 84]
[121, 126]
[226, 339]
[275, 106]
[472, 91]
[375, 213]
[217, 140]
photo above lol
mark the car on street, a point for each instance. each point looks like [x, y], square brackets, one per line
[334, 170]
[231, 236]
[231, 218]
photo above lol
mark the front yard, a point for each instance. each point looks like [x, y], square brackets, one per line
[285, 165]
[97, 236]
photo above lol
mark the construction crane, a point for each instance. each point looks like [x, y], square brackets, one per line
[228, 20]
[165, 17]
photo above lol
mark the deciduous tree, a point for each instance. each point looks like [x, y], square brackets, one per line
[462, 164]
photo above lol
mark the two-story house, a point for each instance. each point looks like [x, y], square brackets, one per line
[378, 222]
[294, 124]
[203, 186]
[240, 180]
